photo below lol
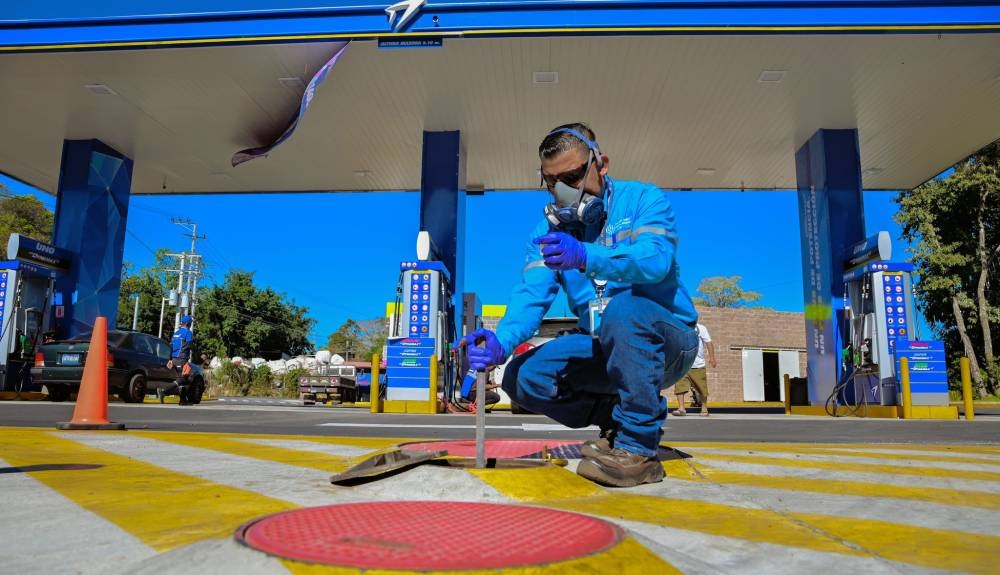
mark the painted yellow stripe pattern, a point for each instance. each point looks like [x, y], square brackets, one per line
[120, 490]
[627, 558]
[233, 446]
[976, 499]
[858, 453]
[858, 467]
[850, 536]
[750, 524]
[955, 28]
[860, 447]
[143, 499]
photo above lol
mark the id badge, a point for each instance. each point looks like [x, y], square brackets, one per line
[596, 308]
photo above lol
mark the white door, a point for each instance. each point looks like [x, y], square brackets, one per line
[788, 362]
[753, 375]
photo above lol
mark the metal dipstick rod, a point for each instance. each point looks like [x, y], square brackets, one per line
[480, 420]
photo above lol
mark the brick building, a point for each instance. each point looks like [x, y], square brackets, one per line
[754, 348]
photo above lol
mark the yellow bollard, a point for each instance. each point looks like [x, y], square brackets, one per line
[970, 412]
[904, 378]
[376, 401]
[788, 395]
[434, 385]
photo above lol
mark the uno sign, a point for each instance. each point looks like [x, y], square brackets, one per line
[26, 249]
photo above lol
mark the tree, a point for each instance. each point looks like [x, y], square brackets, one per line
[721, 291]
[954, 225]
[150, 284]
[359, 340]
[238, 318]
[23, 215]
[150, 290]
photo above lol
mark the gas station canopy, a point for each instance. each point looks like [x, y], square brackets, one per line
[698, 105]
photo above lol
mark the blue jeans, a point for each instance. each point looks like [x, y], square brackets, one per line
[579, 380]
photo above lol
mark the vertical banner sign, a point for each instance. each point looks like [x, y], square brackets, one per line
[831, 220]
[3, 302]
[307, 98]
[814, 222]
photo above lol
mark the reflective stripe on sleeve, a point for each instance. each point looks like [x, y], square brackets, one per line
[534, 264]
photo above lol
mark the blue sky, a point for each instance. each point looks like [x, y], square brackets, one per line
[338, 254]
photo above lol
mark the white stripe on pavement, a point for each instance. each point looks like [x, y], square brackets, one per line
[300, 485]
[75, 540]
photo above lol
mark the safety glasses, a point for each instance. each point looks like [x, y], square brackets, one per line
[571, 177]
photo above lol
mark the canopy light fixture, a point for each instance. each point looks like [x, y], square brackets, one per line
[292, 82]
[771, 76]
[100, 89]
[544, 78]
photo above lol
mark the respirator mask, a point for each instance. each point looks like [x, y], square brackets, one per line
[574, 208]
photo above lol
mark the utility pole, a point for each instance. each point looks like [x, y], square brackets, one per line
[188, 293]
[135, 312]
[179, 292]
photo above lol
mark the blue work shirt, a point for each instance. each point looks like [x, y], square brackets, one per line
[181, 343]
[635, 251]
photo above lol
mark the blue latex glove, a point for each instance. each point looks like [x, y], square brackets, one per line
[482, 358]
[562, 251]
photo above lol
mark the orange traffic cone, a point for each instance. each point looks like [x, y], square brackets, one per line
[92, 400]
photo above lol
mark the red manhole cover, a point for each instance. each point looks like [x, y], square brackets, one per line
[427, 535]
[495, 448]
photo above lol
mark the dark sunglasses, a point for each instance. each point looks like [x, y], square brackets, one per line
[570, 178]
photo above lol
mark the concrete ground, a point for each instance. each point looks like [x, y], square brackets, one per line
[164, 502]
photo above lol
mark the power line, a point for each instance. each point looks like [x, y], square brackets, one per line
[141, 243]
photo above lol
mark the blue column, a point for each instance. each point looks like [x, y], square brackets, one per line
[442, 204]
[831, 219]
[91, 211]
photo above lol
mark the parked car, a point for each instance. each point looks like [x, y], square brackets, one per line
[551, 328]
[137, 364]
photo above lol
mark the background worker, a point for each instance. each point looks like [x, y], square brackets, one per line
[697, 377]
[180, 357]
[611, 246]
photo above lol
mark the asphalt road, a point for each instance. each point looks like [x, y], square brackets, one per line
[225, 417]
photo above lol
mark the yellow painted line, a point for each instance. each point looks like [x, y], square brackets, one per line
[859, 467]
[539, 483]
[933, 548]
[627, 558]
[978, 499]
[162, 508]
[560, 489]
[294, 457]
[725, 30]
[908, 457]
[858, 453]
[372, 443]
[844, 535]
[966, 449]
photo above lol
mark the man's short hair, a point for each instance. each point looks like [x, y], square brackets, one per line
[558, 142]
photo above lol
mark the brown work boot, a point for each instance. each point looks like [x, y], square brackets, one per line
[601, 445]
[621, 468]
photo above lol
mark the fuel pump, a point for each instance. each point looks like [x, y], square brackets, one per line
[880, 317]
[27, 283]
[25, 293]
[422, 330]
